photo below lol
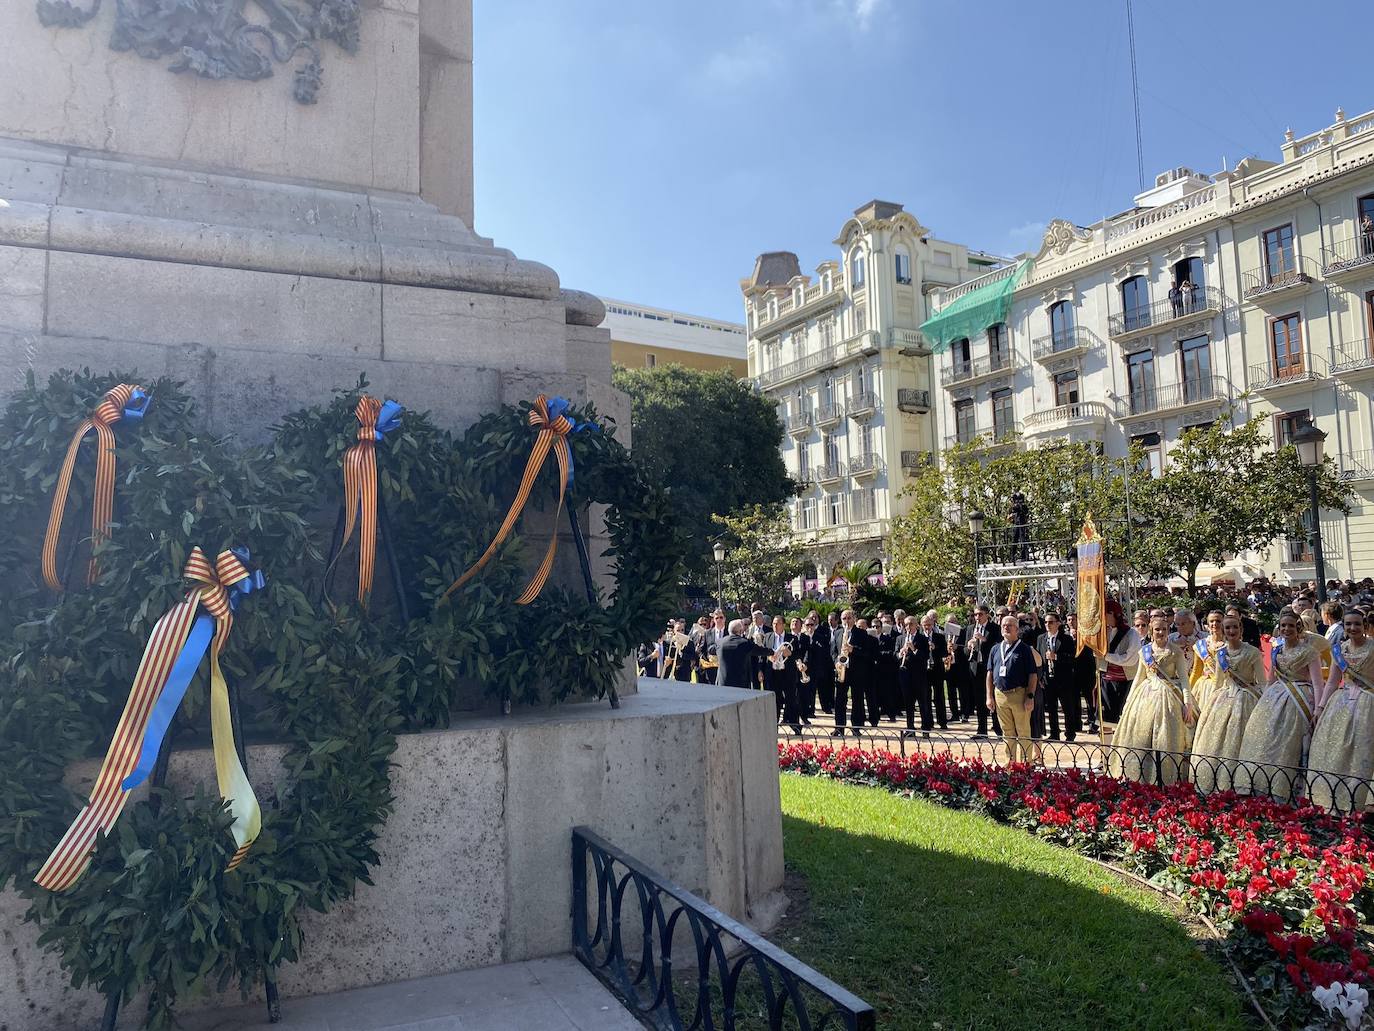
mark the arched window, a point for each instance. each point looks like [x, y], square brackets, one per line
[902, 262]
[1188, 292]
[825, 283]
[1135, 302]
[856, 268]
[797, 296]
[1061, 324]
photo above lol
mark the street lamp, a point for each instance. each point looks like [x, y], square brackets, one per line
[719, 551]
[1309, 440]
[975, 525]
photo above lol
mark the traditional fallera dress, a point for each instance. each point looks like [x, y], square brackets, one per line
[1203, 675]
[1342, 750]
[1222, 718]
[1281, 723]
[1152, 719]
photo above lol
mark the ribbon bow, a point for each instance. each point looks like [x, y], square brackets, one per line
[550, 417]
[126, 401]
[175, 647]
[375, 420]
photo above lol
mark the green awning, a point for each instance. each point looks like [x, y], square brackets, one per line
[974, 312]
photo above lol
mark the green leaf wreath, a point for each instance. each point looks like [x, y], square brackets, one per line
[330, 682]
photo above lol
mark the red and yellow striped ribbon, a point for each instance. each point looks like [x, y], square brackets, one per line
[553, 436]
[360, 493]
[210, 589]
[106, 414]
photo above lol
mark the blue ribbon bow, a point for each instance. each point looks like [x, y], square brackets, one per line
[561, 406]
[1147, 653]
[138, 404]
[1223, 659]
[183, 669]
[388, 419]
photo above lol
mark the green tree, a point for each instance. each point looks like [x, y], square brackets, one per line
[761, 557]
[856, 575]
[1225, 491]
[711, 439]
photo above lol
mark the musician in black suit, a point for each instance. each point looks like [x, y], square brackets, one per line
[907, 643]
[857, 651]
[737, 655]
[677, 645]
[801, 656]
[931, 651]
[888, 691]
[780, 672]
[980, 639]
[823, 667]
[707, 645]
[1058, 673]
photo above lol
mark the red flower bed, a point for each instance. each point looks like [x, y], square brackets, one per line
[1289, 886]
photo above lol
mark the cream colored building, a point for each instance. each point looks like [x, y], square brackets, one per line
[643, 337]
[840, 353]
[1095, 344]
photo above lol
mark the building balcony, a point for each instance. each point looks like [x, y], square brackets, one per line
[830, 472]
[1357, 466]
[1354, 360]
[867, 464]
[799, 424]
[1263, 283]
[1271, 379]
[860, 344]
[829, 415]
[909, 342]
[1067, 343]
[998, 437]
[803, 366]
[843, 533]
[914, 461]
[961, 373]
[913, 401]
[1092, 414]
[1173, 396]
[862, 406]
[1149, 318]
[1348, 258]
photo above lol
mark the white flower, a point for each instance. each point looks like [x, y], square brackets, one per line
[1343, 998]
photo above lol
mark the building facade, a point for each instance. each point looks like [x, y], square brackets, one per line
[841, 354]
[642, 337]
[1250, 291]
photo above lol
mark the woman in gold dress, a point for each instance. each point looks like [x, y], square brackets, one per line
[1343, 743]
[1157, 713]
[1222, 717]
[1282, 720]
[1203, 676]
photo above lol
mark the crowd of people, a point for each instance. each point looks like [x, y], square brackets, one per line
[1170, 683]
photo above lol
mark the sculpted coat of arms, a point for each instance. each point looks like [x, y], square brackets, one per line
[216, 39]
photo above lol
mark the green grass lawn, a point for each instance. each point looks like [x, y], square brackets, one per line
[943, 919]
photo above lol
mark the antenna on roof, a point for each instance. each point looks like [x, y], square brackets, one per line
[1135, 95]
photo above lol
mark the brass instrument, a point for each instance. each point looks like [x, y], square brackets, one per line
[781, 655]
[842, 663]
[679, 641]
[708, 656]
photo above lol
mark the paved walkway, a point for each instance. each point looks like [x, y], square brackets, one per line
[557, 994]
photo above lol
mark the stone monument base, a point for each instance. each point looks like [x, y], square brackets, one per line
[475, 859]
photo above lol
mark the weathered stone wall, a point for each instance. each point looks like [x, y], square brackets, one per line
[475, 863]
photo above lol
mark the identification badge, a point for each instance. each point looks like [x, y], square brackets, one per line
[1002, 670]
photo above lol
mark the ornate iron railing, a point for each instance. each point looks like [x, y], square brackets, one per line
[1202, 300]
[1207, 773]
[677, 962]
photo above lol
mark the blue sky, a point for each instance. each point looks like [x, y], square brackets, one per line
[650, 150]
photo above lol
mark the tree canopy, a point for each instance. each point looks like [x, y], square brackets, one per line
[761, 557]
[711, 439]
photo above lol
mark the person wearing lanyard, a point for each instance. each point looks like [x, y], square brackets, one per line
[1011, 684]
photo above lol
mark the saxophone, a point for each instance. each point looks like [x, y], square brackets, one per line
[842, 663]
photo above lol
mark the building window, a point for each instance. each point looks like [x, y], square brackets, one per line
[1003, 417]
[1287, 424]
[903, 264]
[944, 259]
[831, 449]
[1285, 345]
[1061, 324]
[963, 354]
[863, 505]
[834, 504]
[1140, 381]
[1135, 302]
[829, 394]
[650, 360]
[856, 268]
[860, 318]
[1190, 271]
[999, 354]
[803, 463]
[1278, 251]
[866, 439]
[825, 283]
[964, 428]
[1195, 369]
[827, 327]
[808, 514]
[1152, 462]
[1065, 389]
[1365, 215]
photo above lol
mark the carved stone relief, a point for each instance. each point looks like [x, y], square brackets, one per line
[213, 38]
[1060, 235]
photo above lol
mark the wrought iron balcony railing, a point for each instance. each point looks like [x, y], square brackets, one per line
[830, 472]
[996, 363]
[912, 400]
[829, 414]
[1354, 356]
[861, 406]
[1350, 256]
[1357, 466]
[1203, 300]
[915, 461]
[867, 464]
[1298, 371]
[1064, 343]
[799, 424]
[1285, 275]
[1148, 400]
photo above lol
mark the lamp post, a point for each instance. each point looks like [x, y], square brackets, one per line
[975, 525]
[719, 552]
[1309, 440]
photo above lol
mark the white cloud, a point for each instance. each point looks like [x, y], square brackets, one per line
[747, 61]
[1025, 237]
[864, 10]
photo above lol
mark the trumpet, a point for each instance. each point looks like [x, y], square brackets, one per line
[805, 675]
[781, 656]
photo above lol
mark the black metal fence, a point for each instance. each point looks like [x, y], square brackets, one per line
[1207, 773]
[730, 978]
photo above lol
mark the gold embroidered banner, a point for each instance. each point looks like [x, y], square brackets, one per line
[1092, 590]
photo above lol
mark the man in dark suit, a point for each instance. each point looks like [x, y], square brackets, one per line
[681, 652]
[981, 638]
[932, 650]
[889, 694]
[822, 668]
[737, 655]
[853, 648]
[1056, 650]
[780, 672]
